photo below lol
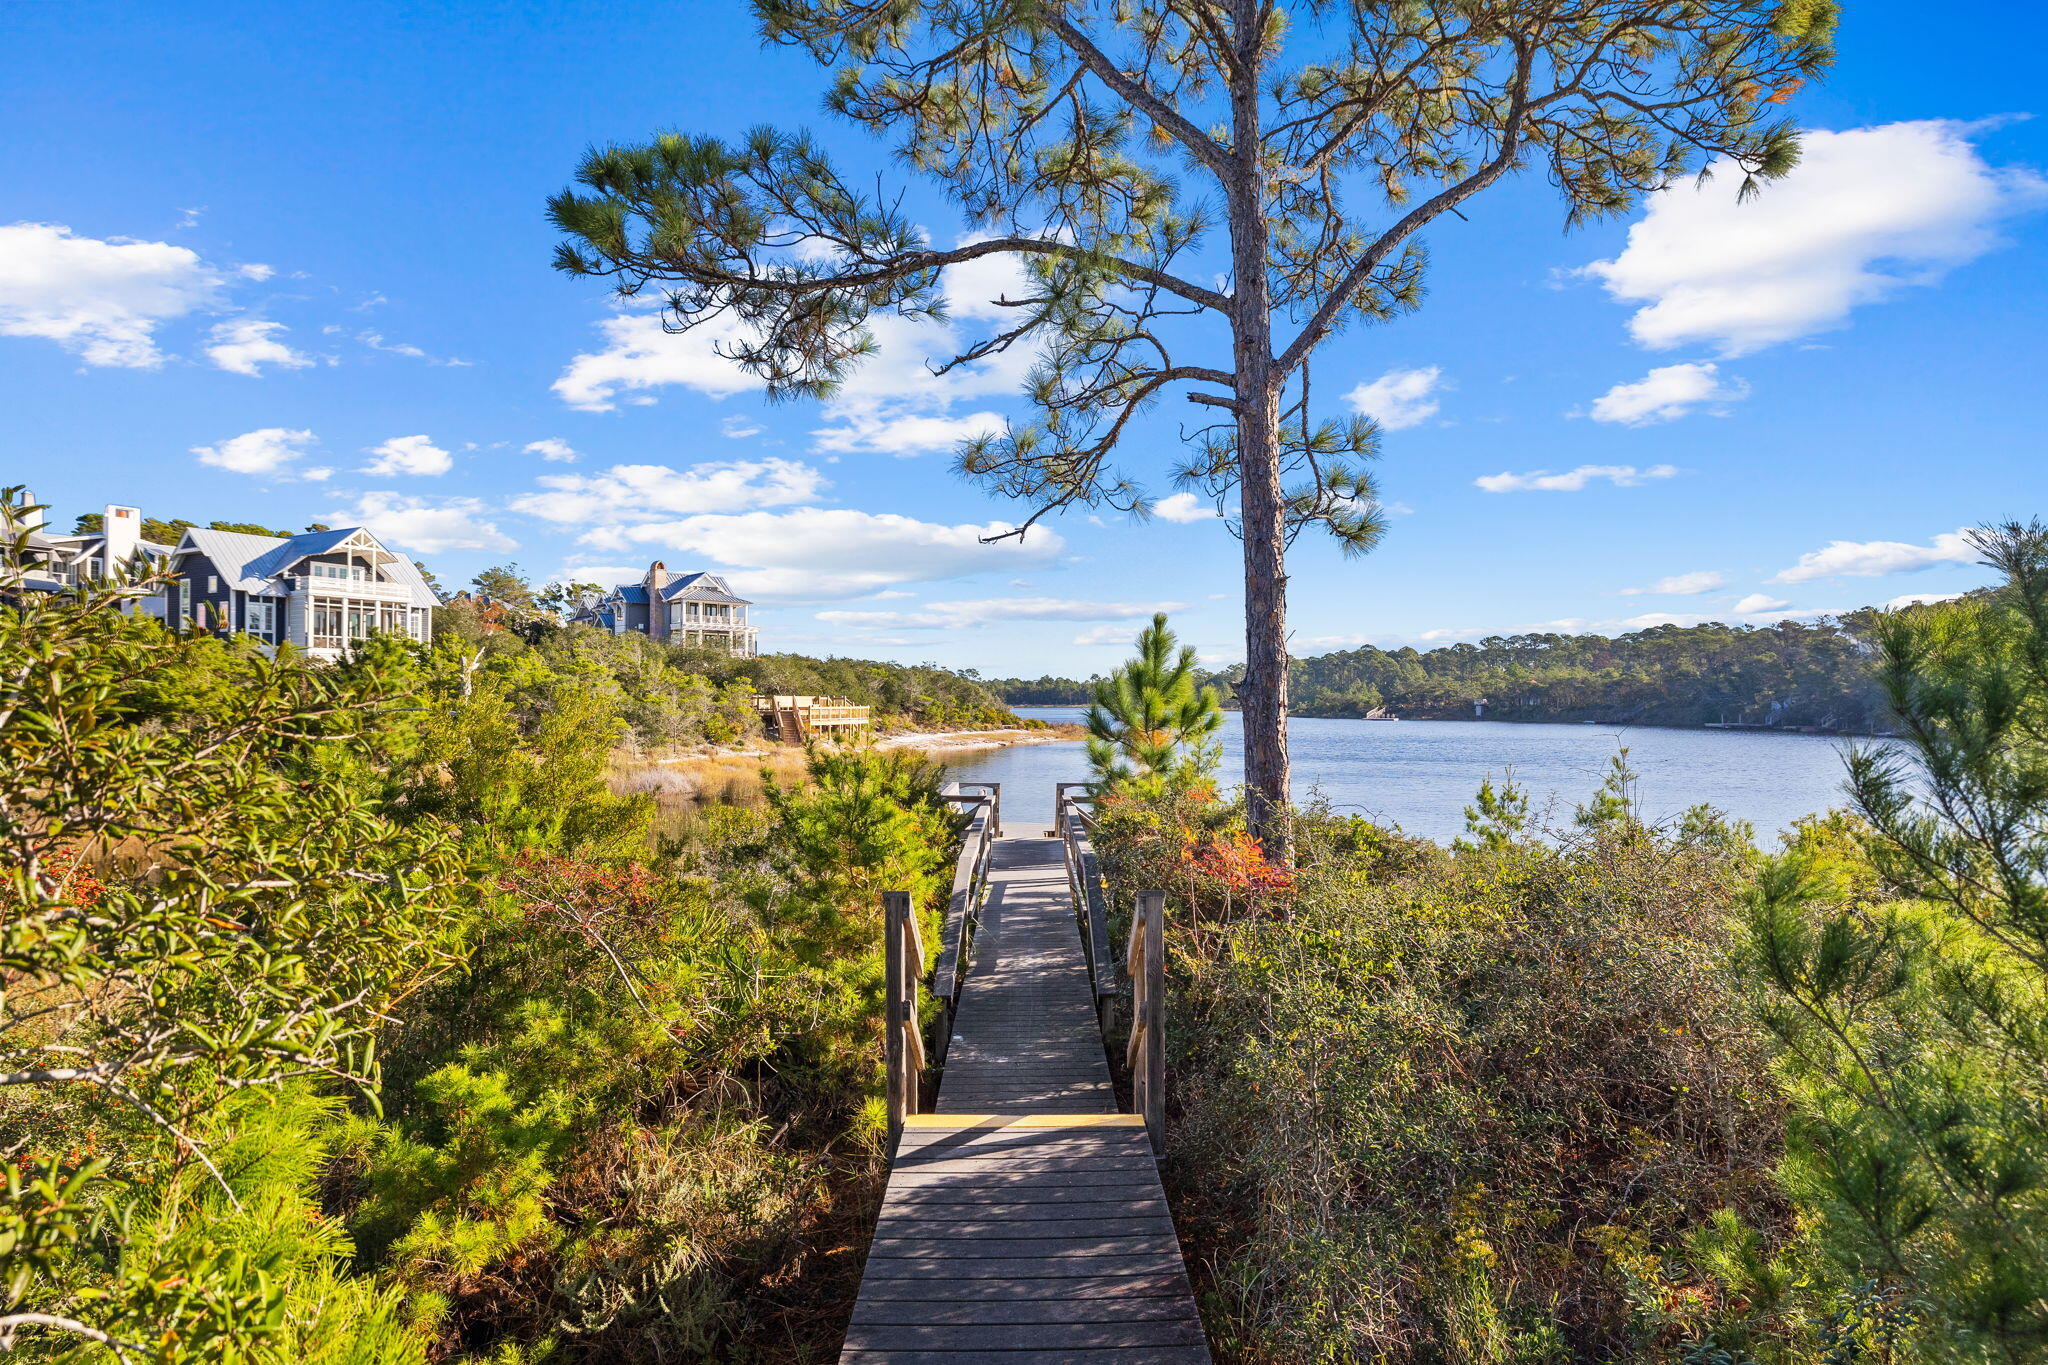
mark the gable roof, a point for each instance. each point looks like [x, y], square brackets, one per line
[703, 587]
[256, 564]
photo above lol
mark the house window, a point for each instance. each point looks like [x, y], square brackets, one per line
[212, 584]
[260, 618]
[327, 625]
[420, 627]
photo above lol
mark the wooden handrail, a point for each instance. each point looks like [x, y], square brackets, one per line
[902, 1038]
[1091, 903]
[963, 903]
[1145, 1054]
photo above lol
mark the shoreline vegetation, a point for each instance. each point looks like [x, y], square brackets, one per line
[1792, 676]
[434, 1040]
[439, 1042]
[1592, 1088]
[687, 784]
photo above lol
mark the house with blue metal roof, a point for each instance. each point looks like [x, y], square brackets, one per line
[320, 590]
[696, 609]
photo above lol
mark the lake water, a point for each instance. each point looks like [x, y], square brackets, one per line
[1421, 774]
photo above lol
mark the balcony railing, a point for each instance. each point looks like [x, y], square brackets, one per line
[362, 590]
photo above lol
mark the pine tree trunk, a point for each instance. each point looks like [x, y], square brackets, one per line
[1263, 695]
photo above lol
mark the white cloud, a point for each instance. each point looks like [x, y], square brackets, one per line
[982, 611]
[890, 403]
[1666, 393]
[1681, 585]
[649, 492]
[1399, 398]
[245, 345]
[1874, 558]
[1920, 599]
[265, 451]
[409, 455]
[1866, 213]
[607, 574]
[816, 552]
[1182, 507]
[428, 527]
[1124, 633]
[893, 428]
[739, 428]
[1758, 602]
[1572, 480]
[318, 474]
[639, 355]
[552, 449]
[376, 342]
[101, 300]
[1327, 642]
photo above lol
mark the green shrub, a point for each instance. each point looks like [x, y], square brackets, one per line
[1432, 1105]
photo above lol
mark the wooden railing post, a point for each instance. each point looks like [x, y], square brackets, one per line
[903, 1041]
[1145, 960]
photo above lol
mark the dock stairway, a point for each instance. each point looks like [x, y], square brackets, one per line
[1024, 1221]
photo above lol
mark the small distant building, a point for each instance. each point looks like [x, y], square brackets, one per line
[683, 609]
[319, 590]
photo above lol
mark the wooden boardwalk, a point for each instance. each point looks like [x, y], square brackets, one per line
[1024, 1223]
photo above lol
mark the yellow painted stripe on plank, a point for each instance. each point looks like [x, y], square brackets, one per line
[1023, 1120]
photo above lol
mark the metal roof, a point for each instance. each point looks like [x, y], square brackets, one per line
[704, 587]
[256, 564]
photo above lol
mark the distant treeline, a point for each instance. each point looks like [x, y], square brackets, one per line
[1041, 691]
[1791, 674]
[675, 694]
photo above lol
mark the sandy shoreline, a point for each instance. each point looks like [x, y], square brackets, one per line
[966, 741]
[925, 741]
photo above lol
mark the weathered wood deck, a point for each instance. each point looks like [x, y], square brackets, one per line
[1024, 1222]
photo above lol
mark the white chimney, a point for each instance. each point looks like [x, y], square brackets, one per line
[123, 529]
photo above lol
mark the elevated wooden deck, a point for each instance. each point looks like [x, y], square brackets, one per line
[1024, 1221]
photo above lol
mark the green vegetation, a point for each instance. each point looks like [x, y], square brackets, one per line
[171, 532]
[1791, 673]
[1424, 1102]
[1904, 977]
[352, 1015]
[679, 695]
[1152, 727]
[1615, 1092]
[349, 1015]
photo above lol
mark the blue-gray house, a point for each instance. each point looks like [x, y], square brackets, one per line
[319, 590]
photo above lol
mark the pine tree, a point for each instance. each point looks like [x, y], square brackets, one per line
[1099, 147]
[1915, 1031]
[1152, 725]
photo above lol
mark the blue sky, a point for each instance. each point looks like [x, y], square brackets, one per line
[286, 263]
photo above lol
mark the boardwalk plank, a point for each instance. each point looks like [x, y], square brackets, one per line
[1068, 1336]
[1142, 1355]
[1007, 1234]
[1172, 1305]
